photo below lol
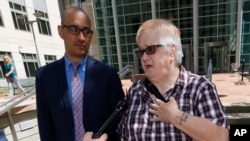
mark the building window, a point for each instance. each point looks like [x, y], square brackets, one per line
[1, 19]
[18, 10]
[43, 24]
[1, 63]
[49, 58]
[30, 63]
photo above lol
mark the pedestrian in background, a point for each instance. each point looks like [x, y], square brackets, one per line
[11, 76]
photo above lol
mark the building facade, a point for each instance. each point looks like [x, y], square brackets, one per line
[216, 30]
[211, 29]
[28, 34]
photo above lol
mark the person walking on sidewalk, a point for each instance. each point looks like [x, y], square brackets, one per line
[11, 76]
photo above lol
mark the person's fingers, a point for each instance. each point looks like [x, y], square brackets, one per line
[104, 136]
[152, 111]
[87, 136]
[89, 133]
[171, 98]
[154, 119]
[154, 105]
[159, 102]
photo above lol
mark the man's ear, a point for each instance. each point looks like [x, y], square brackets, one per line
[59, 29]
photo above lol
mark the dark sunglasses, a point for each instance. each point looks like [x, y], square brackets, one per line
[150, 50]
[75, 30]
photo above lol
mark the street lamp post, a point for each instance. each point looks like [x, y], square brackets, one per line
[37, 51]
[33, 33]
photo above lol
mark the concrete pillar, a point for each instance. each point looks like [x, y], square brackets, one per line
[196, 34]
[153, 11]
[117, 34]
[239, 31]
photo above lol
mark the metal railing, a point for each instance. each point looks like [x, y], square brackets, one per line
[6, 107]
[10, 103]
[209, 70]
[126, 70]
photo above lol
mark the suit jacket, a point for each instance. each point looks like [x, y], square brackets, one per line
[102, 92]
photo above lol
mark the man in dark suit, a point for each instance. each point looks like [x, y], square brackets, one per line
[102, 88]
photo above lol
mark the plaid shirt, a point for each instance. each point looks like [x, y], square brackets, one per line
[195, 95]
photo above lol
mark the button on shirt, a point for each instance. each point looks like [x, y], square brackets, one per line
[194, 95]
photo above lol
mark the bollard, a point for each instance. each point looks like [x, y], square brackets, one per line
[242, 68]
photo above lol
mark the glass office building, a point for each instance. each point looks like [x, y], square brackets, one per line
[217, 28]
[211, 29]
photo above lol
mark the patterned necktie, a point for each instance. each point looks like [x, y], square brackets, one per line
[77, 95]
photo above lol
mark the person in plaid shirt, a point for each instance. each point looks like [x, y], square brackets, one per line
[192, 111]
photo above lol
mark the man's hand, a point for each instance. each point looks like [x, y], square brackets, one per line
[88, 137]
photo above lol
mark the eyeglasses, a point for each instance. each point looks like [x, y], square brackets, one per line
[150, 50]
[75, 30]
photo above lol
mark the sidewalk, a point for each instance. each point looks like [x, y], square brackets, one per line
[231, 89]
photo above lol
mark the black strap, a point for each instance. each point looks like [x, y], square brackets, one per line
[153, 90]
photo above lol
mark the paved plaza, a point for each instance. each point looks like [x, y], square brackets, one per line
[231, 88]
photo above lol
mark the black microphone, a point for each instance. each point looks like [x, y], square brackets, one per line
[152, 89]
[120, 108]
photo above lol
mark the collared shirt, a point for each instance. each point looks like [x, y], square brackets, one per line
[194, 94]
[69, 71]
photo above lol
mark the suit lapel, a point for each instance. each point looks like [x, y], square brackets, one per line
[62, 82]
[90, 77]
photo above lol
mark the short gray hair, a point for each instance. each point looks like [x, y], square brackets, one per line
[169, 35]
